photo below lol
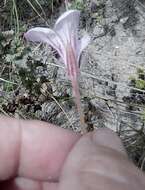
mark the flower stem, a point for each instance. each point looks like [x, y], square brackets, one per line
[72, 68]
[76, 92]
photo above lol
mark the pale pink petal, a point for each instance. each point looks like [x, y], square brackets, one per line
[82, 44]
[67, 26]
[72, 16]
[47, 36]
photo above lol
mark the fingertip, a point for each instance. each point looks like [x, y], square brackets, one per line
[108, 138]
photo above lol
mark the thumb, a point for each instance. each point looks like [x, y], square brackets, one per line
[99, 162]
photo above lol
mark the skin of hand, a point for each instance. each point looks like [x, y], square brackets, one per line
[38, 156]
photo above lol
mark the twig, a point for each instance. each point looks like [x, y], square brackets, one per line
[61, 108]
[3, 80]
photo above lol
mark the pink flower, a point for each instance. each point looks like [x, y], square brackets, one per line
[64, 39]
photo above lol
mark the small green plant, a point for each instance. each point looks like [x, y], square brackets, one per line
[143, 116]
[139, 80]
[140, 84]
[77, 4]
[8, 87]
[140, 71]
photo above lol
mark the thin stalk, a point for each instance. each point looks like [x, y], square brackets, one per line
[52, 7]
[37, 2]
[33, 7]
[72, 68]
[77, 96]
[15, 12]
[66, 4]
[68, 118]
[3, 80]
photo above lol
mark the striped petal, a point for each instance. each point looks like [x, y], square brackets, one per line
[67, 27]
[82, 44]
[47, 36]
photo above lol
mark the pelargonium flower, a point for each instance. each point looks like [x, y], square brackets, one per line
[64, 39]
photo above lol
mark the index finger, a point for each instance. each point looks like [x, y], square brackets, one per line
[33, 149]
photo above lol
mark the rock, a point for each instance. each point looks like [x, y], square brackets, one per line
[98, 31]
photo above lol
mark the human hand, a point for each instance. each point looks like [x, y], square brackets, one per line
[36, 156]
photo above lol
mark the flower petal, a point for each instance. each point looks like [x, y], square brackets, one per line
[72, 16]
[48, 36]
[83, 43]
[67, 26]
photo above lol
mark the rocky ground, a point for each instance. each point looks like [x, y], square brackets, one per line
[112, 79]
